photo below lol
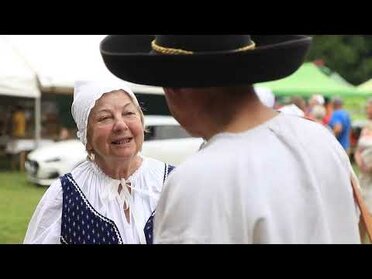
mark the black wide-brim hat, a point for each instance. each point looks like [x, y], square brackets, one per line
[203, 60]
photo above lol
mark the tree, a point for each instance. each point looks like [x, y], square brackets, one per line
[349, 55]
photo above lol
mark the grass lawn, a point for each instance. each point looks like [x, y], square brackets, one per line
[18, 200]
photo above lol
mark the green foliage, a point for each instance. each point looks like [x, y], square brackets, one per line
[356, 107]
[18, 200]
[349, 55]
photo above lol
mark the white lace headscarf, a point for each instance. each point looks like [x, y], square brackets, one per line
[86, 93]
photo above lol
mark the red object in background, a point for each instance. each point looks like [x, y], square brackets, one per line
[354, 136]
[319, 62]
[326, 119]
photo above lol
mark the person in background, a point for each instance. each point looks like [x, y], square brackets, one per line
[369, 109]
[340, 123]
[111, 197]
[262, 176]
[318, 112]
[329, 110]
[18, 123]
[363, 158]
[18, 131]
[64, 134]
[315, 100]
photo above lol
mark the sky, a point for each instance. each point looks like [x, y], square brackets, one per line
[59, 60]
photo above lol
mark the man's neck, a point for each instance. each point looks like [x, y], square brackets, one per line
[249, 119]
[246, 117]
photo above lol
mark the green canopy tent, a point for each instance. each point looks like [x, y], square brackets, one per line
[309, 80]
[366, 87]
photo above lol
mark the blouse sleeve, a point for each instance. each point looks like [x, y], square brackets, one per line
[45, 224]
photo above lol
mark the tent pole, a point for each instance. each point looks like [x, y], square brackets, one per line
[37, 121]
[38, 114]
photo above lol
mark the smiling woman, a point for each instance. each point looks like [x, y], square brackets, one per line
[115, 112]
[165, 140]
[116, 189]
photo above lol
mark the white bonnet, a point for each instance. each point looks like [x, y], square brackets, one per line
[86, 93]
[318, 98]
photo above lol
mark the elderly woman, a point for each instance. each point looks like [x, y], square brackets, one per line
[110, 197]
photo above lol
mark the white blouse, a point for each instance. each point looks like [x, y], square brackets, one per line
[102, 193]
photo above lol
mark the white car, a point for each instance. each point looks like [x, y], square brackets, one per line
[171, 151]
[45, 164]
[165, 140]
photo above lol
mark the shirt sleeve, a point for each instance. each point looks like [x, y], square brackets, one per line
[45, 224]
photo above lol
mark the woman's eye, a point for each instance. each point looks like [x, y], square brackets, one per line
[103, 118]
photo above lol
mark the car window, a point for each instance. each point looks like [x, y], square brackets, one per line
[166, 132]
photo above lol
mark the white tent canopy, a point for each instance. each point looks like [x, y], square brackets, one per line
[52, 63]
[16, 77]
[60, 60]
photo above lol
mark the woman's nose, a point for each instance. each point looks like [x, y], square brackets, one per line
[120, 124]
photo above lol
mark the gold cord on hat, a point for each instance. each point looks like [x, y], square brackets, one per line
[168, 50]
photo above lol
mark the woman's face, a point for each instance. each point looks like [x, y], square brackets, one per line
[115, 130]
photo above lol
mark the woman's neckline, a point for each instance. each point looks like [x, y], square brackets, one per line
[97, 170]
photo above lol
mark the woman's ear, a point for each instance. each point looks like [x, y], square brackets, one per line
[90, 151]
[89, 147]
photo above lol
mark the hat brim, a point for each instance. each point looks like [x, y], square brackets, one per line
[131, 58]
